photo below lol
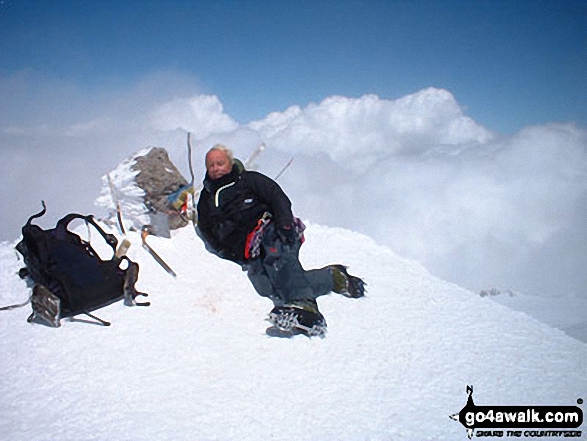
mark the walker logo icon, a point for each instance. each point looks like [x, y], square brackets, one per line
[490, 421]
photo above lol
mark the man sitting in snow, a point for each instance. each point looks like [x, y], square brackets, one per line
[245, 217]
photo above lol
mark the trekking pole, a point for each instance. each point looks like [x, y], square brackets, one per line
[251, 159]
[125, 244]
[285, 167]
[195, 191]
[116, 203]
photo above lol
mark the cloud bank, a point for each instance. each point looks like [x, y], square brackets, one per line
[420, 176]
[415, 173]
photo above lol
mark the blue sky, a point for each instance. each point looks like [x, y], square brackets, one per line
[509, 63]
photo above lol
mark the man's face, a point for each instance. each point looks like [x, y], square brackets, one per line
[217, 164]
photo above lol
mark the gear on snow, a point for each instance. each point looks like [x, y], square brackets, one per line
[67, 274]
[289, 320]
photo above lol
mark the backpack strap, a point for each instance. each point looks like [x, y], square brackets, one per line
[39, 214]
[109, 238]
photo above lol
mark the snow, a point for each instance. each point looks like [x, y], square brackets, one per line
[565, 312]
[197, 363]
[126, 191]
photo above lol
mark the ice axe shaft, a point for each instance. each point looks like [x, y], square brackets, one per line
[156, 256]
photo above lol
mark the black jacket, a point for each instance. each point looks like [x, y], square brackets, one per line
[229, 208]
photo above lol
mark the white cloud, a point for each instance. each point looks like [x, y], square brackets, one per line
[202, 115]
[357, 132]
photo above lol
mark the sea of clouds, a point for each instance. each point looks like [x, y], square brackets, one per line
[478, 208]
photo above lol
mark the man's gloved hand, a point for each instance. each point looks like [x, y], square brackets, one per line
[287, 234]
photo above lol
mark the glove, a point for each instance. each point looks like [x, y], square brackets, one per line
[287, 234]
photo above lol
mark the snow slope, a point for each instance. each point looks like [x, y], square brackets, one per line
[197, 364]
[566, 312]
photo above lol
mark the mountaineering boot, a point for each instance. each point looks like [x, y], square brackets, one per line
[345, 284]
[298, 317]
[46, 306]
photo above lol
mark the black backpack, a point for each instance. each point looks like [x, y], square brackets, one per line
[68, 275]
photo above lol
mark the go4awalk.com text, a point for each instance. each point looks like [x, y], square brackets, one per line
[520, 421]
[528, 433]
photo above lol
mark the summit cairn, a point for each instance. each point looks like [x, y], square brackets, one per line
[162, 183]
[146, 190]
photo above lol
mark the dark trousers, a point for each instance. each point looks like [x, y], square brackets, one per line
[279, 275]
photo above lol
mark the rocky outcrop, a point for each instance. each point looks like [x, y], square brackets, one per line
[162, 182]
